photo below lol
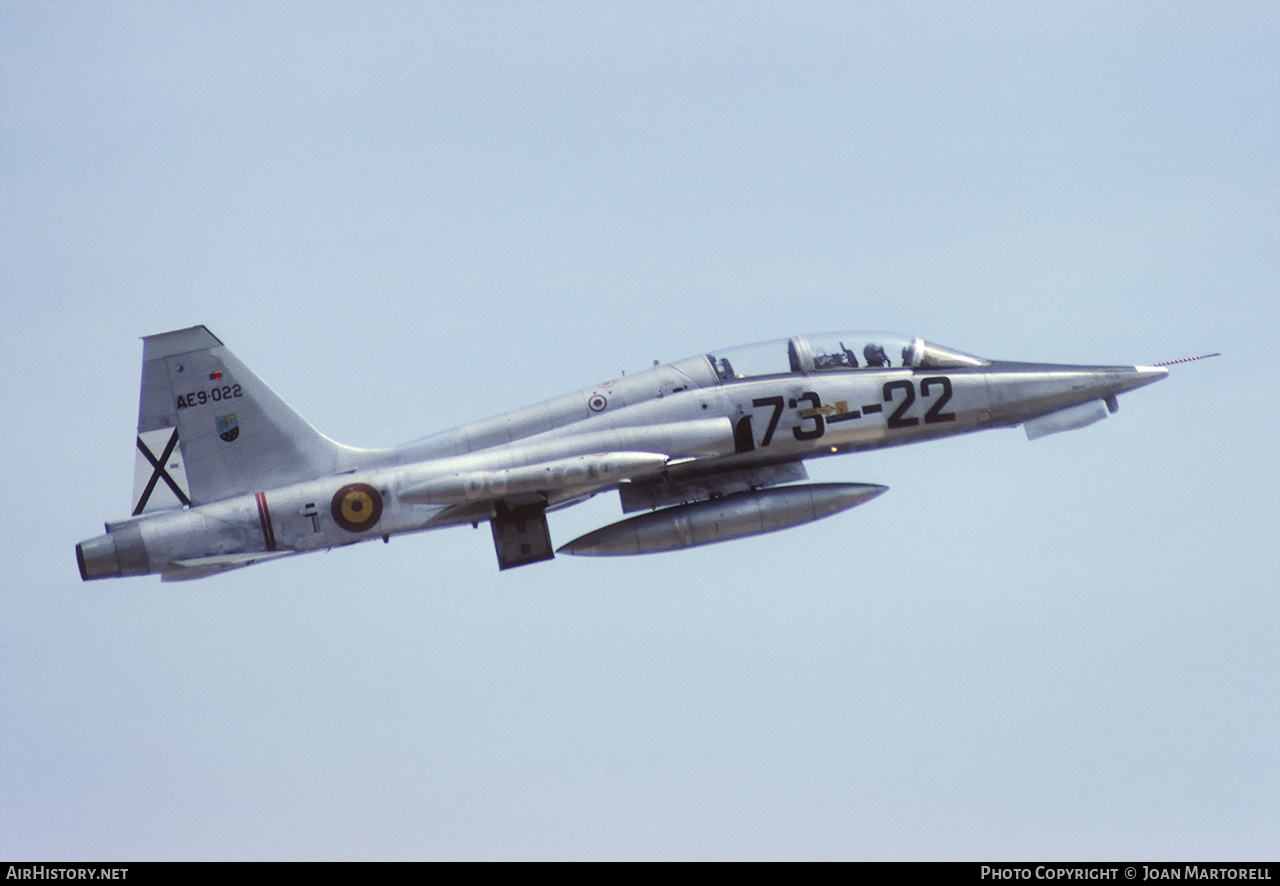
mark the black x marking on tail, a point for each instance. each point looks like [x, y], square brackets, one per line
[158, 472]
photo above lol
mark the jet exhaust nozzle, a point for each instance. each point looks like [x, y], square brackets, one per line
[120, 552]
[733, 516]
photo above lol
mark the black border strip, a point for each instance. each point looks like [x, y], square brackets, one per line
[158, 472]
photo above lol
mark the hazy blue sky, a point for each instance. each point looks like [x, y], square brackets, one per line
[408, 216]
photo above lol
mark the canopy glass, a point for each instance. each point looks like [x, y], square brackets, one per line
[830, 351]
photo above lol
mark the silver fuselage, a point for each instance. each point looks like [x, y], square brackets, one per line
[704, 425]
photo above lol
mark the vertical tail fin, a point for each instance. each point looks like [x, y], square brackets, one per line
[209, 429]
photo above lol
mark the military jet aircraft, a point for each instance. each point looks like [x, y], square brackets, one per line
[708, 448]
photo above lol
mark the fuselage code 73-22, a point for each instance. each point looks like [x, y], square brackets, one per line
[706, 449]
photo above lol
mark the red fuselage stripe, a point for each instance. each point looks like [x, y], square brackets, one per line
[264, 517]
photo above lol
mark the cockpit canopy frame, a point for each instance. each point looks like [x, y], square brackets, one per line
[836, 351]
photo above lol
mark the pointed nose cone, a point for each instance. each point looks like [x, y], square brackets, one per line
[1137, 377]
[1027, 391]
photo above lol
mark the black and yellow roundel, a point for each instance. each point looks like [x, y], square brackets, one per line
[356, 507]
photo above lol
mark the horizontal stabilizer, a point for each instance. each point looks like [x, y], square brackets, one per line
[199, 567]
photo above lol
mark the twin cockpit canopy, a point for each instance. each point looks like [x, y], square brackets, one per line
[836, 350]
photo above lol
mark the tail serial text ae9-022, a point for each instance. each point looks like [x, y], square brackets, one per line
[708, 448]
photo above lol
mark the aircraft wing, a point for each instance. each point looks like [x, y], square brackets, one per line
[574, 475]
[694, 481]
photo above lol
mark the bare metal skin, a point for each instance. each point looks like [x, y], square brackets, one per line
[711, 447]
